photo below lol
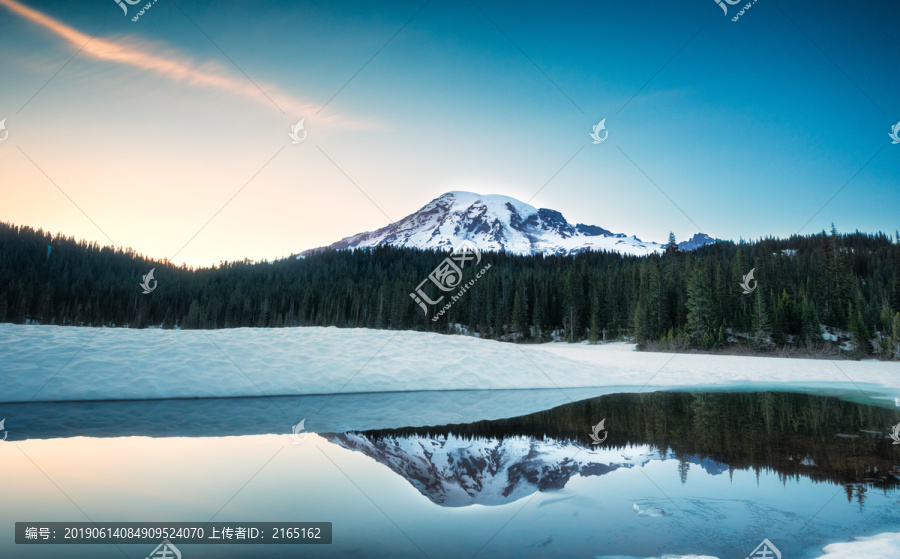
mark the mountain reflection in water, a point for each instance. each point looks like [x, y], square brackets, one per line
[493, 462]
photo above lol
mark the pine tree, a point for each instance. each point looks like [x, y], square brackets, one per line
[776, 319]
[683, 468]
[498, 321]
[380, 314]
[834, 279]
[672, 245]
[895, 287]
[518, 318]
[594, 333]
[661, 303]
[721, 300]
[192, 319]
[759, 338]
[812, 326]
[400, 306]
[885, 320]
[640, 330]
[859, 335]
[573, 306]
[484, 324]
[895, 337]
[699, 305]
[537, 319]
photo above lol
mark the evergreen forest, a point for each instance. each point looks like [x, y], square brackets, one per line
[825, 294]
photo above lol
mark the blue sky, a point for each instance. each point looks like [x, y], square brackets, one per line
[747, 128]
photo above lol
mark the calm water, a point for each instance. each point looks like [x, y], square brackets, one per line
[709, 473]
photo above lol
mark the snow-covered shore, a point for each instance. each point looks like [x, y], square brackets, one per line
[53, 363]
[881, 546]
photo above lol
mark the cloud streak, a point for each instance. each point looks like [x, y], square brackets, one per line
[178, 67]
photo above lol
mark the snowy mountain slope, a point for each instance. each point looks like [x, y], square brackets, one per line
[453, 471]
[500, 223]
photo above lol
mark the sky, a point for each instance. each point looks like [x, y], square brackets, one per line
[169, 134]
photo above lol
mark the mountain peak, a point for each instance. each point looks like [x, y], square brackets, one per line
[495, 222]
[454, 471]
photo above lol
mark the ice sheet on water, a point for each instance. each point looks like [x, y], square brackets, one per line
[53, 363]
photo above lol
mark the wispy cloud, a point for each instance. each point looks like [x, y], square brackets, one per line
[178, 67]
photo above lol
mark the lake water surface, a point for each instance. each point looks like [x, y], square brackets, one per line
[677, 472]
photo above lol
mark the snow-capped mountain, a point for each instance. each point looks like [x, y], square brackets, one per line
[453, 471]
[500, 223]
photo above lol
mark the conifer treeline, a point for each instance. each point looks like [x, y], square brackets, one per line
[674, 300]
